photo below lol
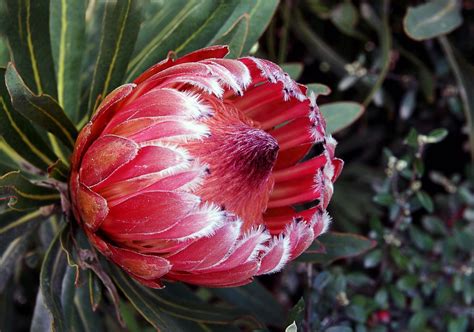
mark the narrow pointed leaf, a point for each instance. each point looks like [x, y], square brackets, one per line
[41, 320]
[23, 194]
[59, 171]
[338, 246]
[340, 115]
[260, 13]
[254, 299]
[120, 26]
[94, 288]
[51, 278]
[235, 37]
[89, 319]
[42, 110]
[182, 26]
[10, 257]
[187, 25]
[27, 29]
[168, 308]
[149, 310]
[68, 292]
[14, 224]
[20, 135]
[67, 27]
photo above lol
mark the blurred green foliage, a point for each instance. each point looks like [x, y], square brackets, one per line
[407, 182]
[394, 80]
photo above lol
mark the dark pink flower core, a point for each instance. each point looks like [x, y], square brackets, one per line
[198, 171]
[240, 159]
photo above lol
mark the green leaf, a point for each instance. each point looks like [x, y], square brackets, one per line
[338, 246]
[182, 26]
[345, 17]
[67, 27]
[235, 37]
[432, 19]
[425, 201]
[89, 319]
[319, 89]
[42, 109]
[340, 328]
[407, 283]
[296, 314]
[372, 259]
[384, 199]
[14, 224]
[23, 194]
[340, 115]
[68, 291]
[59, 171]
[10, 257]
[293, 69]
[292, 328]
[256, 299]
[166, 313]
[41, 320]
[4, 53]
[458, 324]
[120, 26]
[187, 25]
[357, 313]
[260, 12]
[418, 321]
[437, 135]
[20, 135]
[51, 278]
[27, 29]
[95, 290]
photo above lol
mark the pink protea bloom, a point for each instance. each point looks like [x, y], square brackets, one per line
[196, 172]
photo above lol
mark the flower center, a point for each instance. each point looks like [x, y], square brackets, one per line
[240, 157]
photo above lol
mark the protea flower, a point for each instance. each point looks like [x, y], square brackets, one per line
[196, 171]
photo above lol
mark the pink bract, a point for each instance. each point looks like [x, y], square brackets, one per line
[197, 172]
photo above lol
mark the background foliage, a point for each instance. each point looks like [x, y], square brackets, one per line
[400, 253]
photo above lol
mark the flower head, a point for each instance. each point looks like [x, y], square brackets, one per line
[198, 172]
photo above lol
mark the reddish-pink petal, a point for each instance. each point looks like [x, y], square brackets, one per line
[301, 236]
[160, 103]
[320, 222]
[237, 276]
[277, 219]
[291, 156]
[148, 267]
[291, 188]
[149, 212]
[149, 159]
[338, 165]
[104, 156]
[98, 122]
[205, 53]
[294, 133]
[207, 251]
[276, 256]
[300, 170]
[152, 129]
[246, 249]
[92, 207]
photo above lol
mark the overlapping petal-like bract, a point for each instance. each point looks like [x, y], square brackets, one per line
[197, 172]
